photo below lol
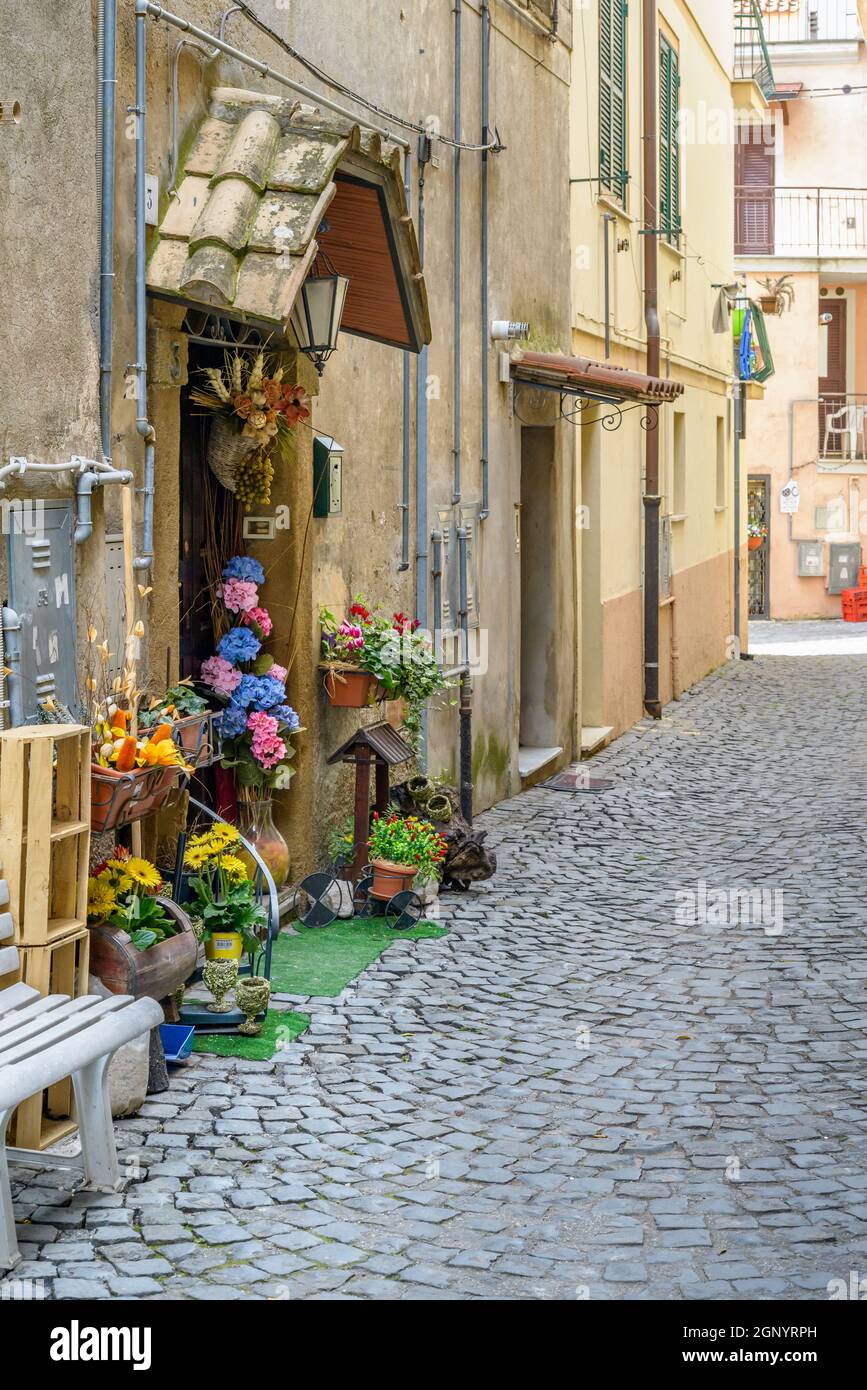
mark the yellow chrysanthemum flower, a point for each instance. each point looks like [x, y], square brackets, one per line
[101, 902]
[221, 835]
[142, 872]
[195, 856]
[234, 868]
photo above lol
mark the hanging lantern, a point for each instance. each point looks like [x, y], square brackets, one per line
[318, 310]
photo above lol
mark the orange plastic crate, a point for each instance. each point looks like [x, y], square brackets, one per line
[854, 605]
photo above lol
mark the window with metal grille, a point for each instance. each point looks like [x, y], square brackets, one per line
[613, 176]
[669, 141]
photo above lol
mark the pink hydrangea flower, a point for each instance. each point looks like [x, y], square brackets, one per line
[278, 673]
[239, 595]
[261, 723]
[220, 675]
[267, 748]
[261, 617]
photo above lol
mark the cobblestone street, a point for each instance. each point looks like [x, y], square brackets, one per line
[585, 1089]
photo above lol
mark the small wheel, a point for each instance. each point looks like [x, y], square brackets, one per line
[311, 901]
[361, 899]
[404, 910]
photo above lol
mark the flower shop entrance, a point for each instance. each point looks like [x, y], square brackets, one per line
[208, 524]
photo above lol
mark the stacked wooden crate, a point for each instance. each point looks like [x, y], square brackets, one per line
[45, 855]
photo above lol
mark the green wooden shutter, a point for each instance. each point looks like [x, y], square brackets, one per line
[669, 145]
[612, 97]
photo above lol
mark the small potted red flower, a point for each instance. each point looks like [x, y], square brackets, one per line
[347, 683]
[403, 849]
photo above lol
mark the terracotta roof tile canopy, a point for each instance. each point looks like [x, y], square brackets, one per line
[583, 376]
[267, 182]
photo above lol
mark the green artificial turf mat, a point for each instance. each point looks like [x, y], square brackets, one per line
[321, 961]
[278, 1027]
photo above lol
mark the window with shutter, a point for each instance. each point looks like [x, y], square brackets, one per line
[669, 141]
[613, 176]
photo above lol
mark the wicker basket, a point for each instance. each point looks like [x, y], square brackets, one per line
[226, 448]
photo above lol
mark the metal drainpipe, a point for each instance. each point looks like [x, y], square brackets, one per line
[142, 424]
[652, 499]
[404, 506]
[466, 696]
[456, 254]
[108, 88]
[739, 406]
[485, 15]
[421, 458]
[84, 485]
[437, 574]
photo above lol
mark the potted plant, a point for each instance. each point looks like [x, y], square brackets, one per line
[132, 774]
[403, 849]
[141, 943]
[252, 411]
[188, 713]
[223, 898]
[779, 296]
[756, 535]
[132, 771]
[348, 683]
[257, 721]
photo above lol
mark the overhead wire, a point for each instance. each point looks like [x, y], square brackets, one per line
[493, 146]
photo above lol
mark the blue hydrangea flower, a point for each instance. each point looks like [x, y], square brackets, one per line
[245, 567]
[234, 720]
[239, 644]
[259, 692]
[287, 716]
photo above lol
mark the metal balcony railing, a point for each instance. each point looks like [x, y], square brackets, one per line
[752, 60]
[810, 21]
[824, 222]
[842, 427]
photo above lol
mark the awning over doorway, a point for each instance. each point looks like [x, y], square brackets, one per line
[597, 380]
[266, 183]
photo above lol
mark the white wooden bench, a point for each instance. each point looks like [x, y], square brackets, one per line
[43, 1040]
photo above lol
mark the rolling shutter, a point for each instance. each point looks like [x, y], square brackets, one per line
[612, 97]
[669, 147]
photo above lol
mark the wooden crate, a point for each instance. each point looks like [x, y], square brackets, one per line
[45, 829]
[61, 968]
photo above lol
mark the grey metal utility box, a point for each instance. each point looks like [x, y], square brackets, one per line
[811, 559]
[844, 562]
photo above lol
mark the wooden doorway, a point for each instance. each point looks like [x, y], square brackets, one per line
[832, 386]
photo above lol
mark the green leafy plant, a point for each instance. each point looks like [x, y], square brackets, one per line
[407, 840]
[224, 898]
[122, 891]
[178, 703]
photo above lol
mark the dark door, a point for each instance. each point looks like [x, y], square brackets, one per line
[832, 386]
[755, 170]
[759, 571]
[209, 525]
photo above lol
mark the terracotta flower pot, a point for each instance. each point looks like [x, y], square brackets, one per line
[348, 687]
[769, 304]
[389, 878]
[191, 736]
[155, 973]
[756, 542]
[118, 798]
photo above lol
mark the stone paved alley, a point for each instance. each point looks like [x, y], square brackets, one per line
[574, 1093]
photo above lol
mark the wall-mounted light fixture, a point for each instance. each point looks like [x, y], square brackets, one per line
[318, 310]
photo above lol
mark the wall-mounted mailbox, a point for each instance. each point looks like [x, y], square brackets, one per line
[327, 476]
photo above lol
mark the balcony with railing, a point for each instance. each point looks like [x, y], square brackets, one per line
[842, 428]
[752, 61]
[810, 21]
[830, 223]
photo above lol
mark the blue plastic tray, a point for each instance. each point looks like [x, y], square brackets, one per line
[177, 1041]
